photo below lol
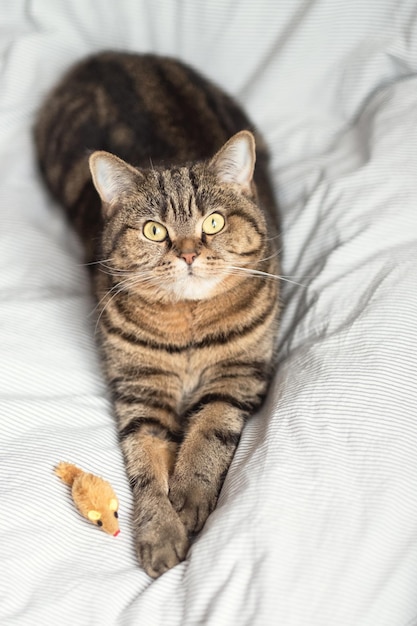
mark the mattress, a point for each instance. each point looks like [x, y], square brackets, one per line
[317, 519]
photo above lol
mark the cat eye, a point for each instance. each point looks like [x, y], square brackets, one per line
[155, 231]
[213, 224]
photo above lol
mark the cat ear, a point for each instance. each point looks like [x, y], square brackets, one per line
[112, 177]
[235, 162]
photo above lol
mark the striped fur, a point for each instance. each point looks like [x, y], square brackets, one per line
[186, 324]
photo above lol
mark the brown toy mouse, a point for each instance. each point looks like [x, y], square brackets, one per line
[93, 497]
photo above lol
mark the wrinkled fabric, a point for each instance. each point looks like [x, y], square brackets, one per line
[317, 520]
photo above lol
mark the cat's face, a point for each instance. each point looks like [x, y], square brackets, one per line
[185, 233]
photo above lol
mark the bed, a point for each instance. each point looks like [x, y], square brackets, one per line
[317, 520]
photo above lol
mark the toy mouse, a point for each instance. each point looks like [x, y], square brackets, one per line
[93, 497]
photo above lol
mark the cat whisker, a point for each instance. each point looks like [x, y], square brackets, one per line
[118, 288]
[135, 280]
[116, 273]
[116, 293]
[93, 263]
[117, 269]
[274, 237]
[101, 300]
[258, 273]
[271, 256]
[108, 269]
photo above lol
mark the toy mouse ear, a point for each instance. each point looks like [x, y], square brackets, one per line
[114, 505]
[93, 515]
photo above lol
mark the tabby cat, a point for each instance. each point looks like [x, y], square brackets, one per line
[155, 167]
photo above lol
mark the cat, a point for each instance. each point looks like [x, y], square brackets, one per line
[155, 166]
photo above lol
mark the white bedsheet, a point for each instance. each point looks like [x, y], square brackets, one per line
[317, 521]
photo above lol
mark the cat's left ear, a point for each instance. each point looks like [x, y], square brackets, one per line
[112, 177]
[235, 161]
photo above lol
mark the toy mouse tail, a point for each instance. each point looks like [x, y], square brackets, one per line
[67, 472]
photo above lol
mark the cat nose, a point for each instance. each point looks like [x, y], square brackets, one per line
[188, 257]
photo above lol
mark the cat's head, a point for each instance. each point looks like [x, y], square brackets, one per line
[184, 232]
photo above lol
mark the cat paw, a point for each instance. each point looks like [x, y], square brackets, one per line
[162, 542]
[193, 503]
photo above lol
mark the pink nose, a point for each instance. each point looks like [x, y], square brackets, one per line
[188, 257]
[116, 533]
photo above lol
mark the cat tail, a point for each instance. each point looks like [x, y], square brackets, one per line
[68, 472]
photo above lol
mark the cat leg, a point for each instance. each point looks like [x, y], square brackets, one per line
[203, 460]
[232, 391]
[160, 537]
[145, 399]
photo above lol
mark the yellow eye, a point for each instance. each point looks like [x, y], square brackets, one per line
[155, 231]
[213, 224]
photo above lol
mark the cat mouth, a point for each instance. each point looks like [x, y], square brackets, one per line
[193, 285]
[191, 271]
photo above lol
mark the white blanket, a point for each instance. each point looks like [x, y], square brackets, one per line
[317, 521]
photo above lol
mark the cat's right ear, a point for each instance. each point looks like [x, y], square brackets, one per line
[112, 177]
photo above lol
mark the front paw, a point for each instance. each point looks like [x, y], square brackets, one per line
[193, 502]
[161, 540]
